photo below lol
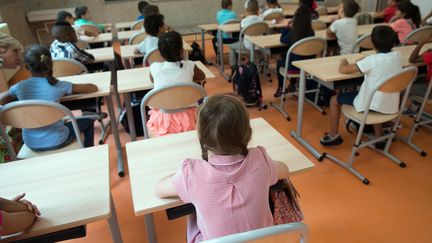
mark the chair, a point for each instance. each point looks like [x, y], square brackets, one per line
[305, 47]
[275, 234]
[259, 28]
[171, 99]
[331, 3]
[364, 18]
[153, 56]
[67, 67]
[90, 28]
[318, 25]
[395, 84]
[137, 38]
[364, 42]
[35, 114]
[232, 36]
[321, 11]
[137, 25]
[273, 16]
[417, 35]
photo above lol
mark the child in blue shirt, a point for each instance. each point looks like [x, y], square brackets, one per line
[141, 6]
[222, 16]
[43, 86]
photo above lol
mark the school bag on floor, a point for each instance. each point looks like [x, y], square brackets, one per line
[246, 83]
[284, 204]
[196, 53]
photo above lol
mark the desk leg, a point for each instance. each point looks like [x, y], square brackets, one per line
[130, 116]
[220, 48]
[115, 132]
[114, 83]
[298, 135]
[113, 224]
[203, 42]
[150, 227]
[252, 53]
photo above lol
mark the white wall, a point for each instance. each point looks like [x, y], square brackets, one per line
[424, 5]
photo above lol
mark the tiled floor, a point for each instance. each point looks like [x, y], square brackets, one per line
[395, 207]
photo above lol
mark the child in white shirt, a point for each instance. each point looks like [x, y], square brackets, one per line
[272, 7]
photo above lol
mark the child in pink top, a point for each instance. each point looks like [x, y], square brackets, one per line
[407, 19]
[174, 69]
[229, 186]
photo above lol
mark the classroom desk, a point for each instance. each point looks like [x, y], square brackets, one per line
[124, 25]
[406, 52]
[70, 189]
[105, 54]
[138, 79]
[206, 28]
[164, 154]
[108, 37]
[127, 51]
[46, 14]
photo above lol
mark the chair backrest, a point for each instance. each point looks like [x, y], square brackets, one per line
[137, 25]
[321, 11]
[153, 56]
[67, 67]
[399, 82]
[331, 3]
[318, 25]
[36, 114]
[364, 18]
[258, 28]
[172, 98]
[364, 42]
[418, 34]
[272, 16]
[275, 234]
[90, 28]
[137, 38]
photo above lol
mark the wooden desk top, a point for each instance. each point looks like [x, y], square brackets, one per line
[152, 159]
[125, 35]
[127, 51]
[327, 68]
[46, 14]
[105, 54]
[103, 37]
[406, 52]
[124, 25]
[70, 189]
[208, 27]
[232, 28]
[102, 80]
[138, 79]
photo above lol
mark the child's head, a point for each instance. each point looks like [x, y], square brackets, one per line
[223, 126]
[150, 9]
[65, 16]
[383, 38]
[64, 32]
[307, 3]
[407, 10]
[272, 3]
[170, 46]
[226, 4]
[154, 24]
[301, 24]
[350, 8]
[252, 7]
[82, 12]
[10, 50]
[37, 59]
[393, 2]
[141, 6]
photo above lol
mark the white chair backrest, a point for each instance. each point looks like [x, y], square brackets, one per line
[258, 28]
[232, 21]
[418, 34]
[321, 11]
[153, 56]
[137, 38]
[272, 16]
[363, 42]
[274, 234]
[172, 98]
[318, 25]
[138, 25]
[67, 67]
[90, 28]
[332, 3]
[35, 114]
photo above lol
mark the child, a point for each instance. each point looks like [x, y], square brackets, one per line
[82, 13]
[16, 215]
[407, 19]
[389, 12]
[251, 18]
[376, 69]
[300, 27]
[65, 16]
[154, 26]
[345, 28]
[311, 5]
[272, 7]
[150, 9]
[42, 85]
[141, 6]
[237, 176]
[222, 16]
[174, 69]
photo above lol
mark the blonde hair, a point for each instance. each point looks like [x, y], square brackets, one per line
[7, 42]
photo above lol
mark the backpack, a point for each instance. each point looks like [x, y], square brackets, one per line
[283, 202]
[196, 53]
[246, 83]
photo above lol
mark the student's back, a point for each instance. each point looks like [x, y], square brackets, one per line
[154, 26]
[225, 13]
[408, 20]
[251, 18]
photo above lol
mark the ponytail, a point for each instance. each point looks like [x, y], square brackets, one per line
[47, 62]
[38, 60]
[204, 152]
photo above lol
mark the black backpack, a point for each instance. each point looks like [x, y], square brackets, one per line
[246, 83]
[196, 53]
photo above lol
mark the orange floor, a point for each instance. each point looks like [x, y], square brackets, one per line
[395, 207]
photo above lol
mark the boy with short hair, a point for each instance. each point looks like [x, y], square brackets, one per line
[376, 69]
[272, 7]
[345, 28]
[141, 6]
[150, 9]
[154, 26]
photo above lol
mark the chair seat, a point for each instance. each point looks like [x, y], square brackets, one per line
[290, 74]
[26, 153]
[373, 116]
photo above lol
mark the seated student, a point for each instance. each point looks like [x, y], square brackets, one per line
[150, 9]
[419, 88]
[154, 26]
[272, 7]
[389, 12]
[376, 69]
[82, 13]
[407, 19]
[16, 215]
[222, 16]
[238, 177]
[64, 16]
[251, 18]
[311, 5]
[261, 4]
[345, 28]
[300, 27]
[141, 6]
[43, 86]
[174, 69]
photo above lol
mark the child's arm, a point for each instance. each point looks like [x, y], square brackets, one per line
[283, 171]
[415, 57]
[16, 222]
[165, 188]
[18, 204]
[5, 97]
[347, 68]
[84, 88]
[198, 74]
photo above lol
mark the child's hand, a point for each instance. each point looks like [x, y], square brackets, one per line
[344, 61]
[31, 207]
